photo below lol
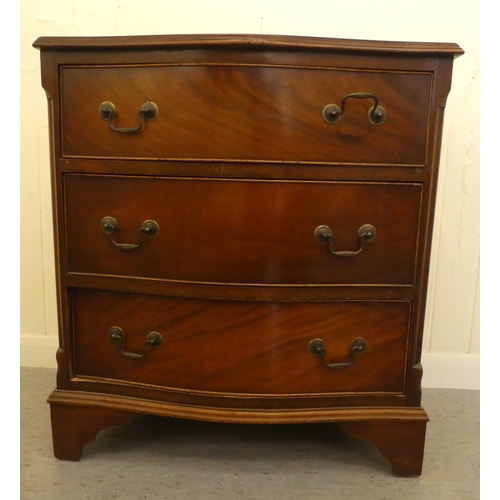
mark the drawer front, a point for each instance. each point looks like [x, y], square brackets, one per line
[242, 231]
[245, 113]
[240, 347]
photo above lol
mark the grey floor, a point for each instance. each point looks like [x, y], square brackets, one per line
[160, 458]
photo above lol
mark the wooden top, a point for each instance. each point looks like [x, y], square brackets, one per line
[255, 41]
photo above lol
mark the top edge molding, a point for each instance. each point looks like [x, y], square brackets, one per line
[277, 42]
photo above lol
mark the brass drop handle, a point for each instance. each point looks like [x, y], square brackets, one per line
[317, 347]
[324, 235]
[153, 340]
[148, 112]
[149, 229]
[376, 115]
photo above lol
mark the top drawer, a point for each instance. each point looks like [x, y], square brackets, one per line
[245, 113]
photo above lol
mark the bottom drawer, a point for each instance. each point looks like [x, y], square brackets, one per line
[240, 347]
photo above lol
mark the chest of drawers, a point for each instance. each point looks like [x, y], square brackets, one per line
[243, 228]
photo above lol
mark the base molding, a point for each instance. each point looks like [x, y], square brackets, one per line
[235, 415]
[398, 432]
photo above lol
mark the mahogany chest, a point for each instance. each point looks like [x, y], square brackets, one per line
[243, 229]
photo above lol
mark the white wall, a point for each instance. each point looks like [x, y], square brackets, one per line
[451, 342]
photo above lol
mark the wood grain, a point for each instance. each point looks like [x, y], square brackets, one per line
[242, 231]
[265, 113]
[241, 347]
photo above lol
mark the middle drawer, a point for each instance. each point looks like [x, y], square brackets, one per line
[242, 231]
